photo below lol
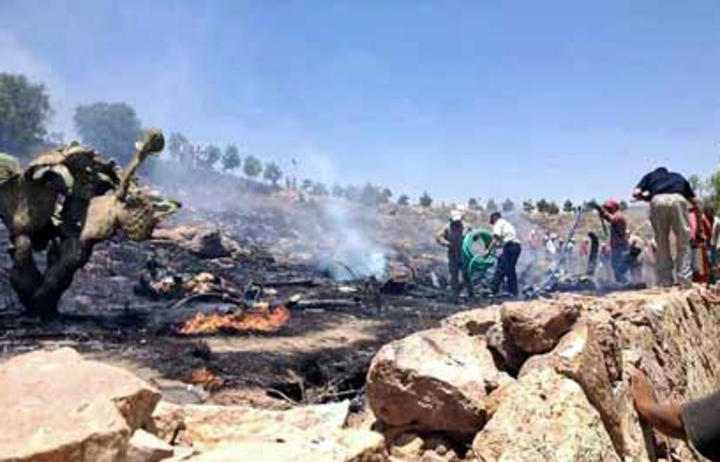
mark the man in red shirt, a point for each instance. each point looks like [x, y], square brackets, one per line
[619, 245]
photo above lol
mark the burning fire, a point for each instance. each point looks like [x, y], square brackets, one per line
[261, 318]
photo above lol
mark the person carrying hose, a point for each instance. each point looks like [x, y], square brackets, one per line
[505, 237]
[451, 236]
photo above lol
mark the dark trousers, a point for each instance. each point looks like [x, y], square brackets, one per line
[505, 269]
[619, 261]
[456, 269]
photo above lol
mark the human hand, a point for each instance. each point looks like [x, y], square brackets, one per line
[641, 389]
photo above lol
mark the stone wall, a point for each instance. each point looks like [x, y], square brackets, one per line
[557, 388]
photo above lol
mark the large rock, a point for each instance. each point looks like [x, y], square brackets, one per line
[578, 356]
[536, 326]
[207, 426]
[507, 355]
[335, 446]
[437, 379]
[475, 322]
[203, 241]
[144, 447]
[545, 417]
[58, 407]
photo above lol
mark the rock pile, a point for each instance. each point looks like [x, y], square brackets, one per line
[57, 406]
[536, 381]
[547, 380]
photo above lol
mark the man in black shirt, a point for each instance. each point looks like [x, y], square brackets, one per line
[670, 196]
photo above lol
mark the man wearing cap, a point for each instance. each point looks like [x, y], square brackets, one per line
[451, 236]
[670, 196]
[505, 237]
[619, 245]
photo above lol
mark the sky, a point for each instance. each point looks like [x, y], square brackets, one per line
[491, 99]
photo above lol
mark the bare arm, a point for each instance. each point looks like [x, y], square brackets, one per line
[665, 417]
[441, 238]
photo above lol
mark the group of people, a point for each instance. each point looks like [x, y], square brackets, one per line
[505, 241]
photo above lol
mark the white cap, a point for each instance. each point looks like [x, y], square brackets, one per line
[456, 215]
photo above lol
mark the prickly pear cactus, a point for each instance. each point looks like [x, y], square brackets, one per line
[65, 202]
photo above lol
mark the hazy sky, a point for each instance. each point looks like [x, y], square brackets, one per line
[461, 98]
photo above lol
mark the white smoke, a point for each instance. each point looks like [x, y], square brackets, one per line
[352, 253]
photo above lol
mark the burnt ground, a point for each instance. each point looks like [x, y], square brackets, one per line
[292, 246]
[321, 354]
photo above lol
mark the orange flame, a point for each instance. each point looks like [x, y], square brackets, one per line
[261, 319]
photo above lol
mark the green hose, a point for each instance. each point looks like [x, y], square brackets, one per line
[477, 265]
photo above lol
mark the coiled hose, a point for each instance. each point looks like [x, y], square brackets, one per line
[477, 265]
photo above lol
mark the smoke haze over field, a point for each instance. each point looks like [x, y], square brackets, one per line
[553, 99]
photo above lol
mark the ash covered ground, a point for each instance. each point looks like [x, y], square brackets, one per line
[352, 277]
[318, 250]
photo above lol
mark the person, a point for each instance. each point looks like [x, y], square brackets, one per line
[713, 240]
[535, 243]
[694, 421]
[619, 245]
[451, 236]
[505, 237]
[699, 232]
[634, 258]
[669, 195]
[551, 248]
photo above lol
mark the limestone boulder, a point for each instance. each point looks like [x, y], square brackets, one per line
[545, 416]
[336, 446]
[207, 426]
[437, 379]
[145, 447]
[56, 406]
[507, 355]
[578, 356]
[536, 326]
[474, 322]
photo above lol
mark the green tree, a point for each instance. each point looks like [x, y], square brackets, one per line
[231, 158]
[306, 185]
[426, 200]
[542, 206]
[386, 195]
[370, 195]
[472, 203]
[568, 206]
[214, 154]
[24, 111]
[111, 128]
[553, 208]
[403, 199]
[623, 205]
[589, 206]
[696, 184]
[528, 206]
[491, 206]
[272, 173]
[508, 206]
[252, 166]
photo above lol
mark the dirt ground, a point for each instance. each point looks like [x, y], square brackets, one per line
[320, 354]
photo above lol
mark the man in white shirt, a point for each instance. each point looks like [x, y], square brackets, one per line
[505, 237]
